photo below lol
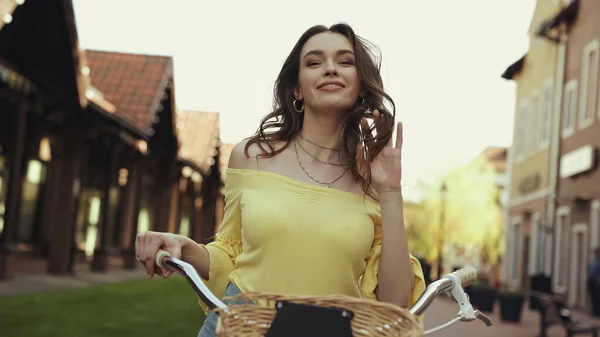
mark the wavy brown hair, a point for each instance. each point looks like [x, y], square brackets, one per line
[283, 124]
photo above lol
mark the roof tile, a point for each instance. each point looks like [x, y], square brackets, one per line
[132, 82]
[198, 133]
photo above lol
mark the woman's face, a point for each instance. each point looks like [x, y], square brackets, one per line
[328, 77]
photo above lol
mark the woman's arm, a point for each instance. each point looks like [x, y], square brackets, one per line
[196, 254]
[395, 278]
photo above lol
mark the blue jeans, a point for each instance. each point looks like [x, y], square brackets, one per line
[209, 329]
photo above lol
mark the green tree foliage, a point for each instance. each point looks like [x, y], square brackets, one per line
[420, 240]
[471, 212]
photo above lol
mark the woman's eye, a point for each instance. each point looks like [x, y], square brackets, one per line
[318, 63]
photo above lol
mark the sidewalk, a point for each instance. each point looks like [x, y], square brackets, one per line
[443, 310]
[26, 284]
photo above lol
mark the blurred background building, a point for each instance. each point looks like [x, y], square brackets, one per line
[554, 205]
[93, 149]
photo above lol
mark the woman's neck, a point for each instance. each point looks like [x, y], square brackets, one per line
[321, 136]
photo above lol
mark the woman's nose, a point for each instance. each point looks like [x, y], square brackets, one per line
[330, 68]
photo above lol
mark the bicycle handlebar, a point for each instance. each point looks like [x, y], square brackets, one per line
[433, 290]
[164, 258]
[452, 283]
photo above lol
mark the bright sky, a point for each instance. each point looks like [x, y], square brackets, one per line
[442, 60]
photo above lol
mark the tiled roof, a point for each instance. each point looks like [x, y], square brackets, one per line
[225, 152]
[514, 68]
[198, 134]
[134, 83]
[496, 155]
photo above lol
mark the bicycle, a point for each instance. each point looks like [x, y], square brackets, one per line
[276, 315]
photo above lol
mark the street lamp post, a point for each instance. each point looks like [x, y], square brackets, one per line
[443, 190]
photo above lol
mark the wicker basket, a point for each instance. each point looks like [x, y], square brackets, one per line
[370, 318]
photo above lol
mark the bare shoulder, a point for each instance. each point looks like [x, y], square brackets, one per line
[240, 160]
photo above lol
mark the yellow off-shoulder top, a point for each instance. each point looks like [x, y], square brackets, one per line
[283, 235]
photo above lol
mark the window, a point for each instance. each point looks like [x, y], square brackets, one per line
[539, 247]
[546, 118]
[594, 227]
[533, 124]
[539, 256]
[30, 208]
[589, 84]
[536, 250]
[562, 250]
[569, 108]
[521, 125]
[548, 253]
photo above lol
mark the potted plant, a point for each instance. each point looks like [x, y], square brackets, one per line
[482, 296]
[511, 305]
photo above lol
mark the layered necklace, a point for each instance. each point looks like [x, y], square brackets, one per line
[326, 183]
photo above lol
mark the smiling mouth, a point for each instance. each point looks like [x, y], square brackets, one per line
[331, 86]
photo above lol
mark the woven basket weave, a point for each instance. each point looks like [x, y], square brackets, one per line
[371, 318]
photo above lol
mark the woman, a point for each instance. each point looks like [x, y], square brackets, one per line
[313, 199]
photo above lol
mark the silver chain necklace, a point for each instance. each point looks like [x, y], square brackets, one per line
[317, 159]
[328, 184]
[318, 145]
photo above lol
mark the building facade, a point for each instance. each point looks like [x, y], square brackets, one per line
[530, 162]
[578, 203]
[573, 209]
[203, 151]
[89, 149]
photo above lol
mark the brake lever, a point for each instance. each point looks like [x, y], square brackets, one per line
[477, 315]
[481, 316]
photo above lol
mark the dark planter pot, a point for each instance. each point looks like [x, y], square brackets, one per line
[542, 284]
[469, 292]
[482, 298]
[511, 307]
[534, 303]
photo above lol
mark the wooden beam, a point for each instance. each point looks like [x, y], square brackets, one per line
[106, 228]
[137, 179]
[15, 185]
[69, 160]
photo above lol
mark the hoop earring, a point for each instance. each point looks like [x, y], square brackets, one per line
[362, 102]
[298, 110]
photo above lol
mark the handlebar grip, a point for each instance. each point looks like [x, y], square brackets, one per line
[466, 275]
[164, 259]
[159, 257]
